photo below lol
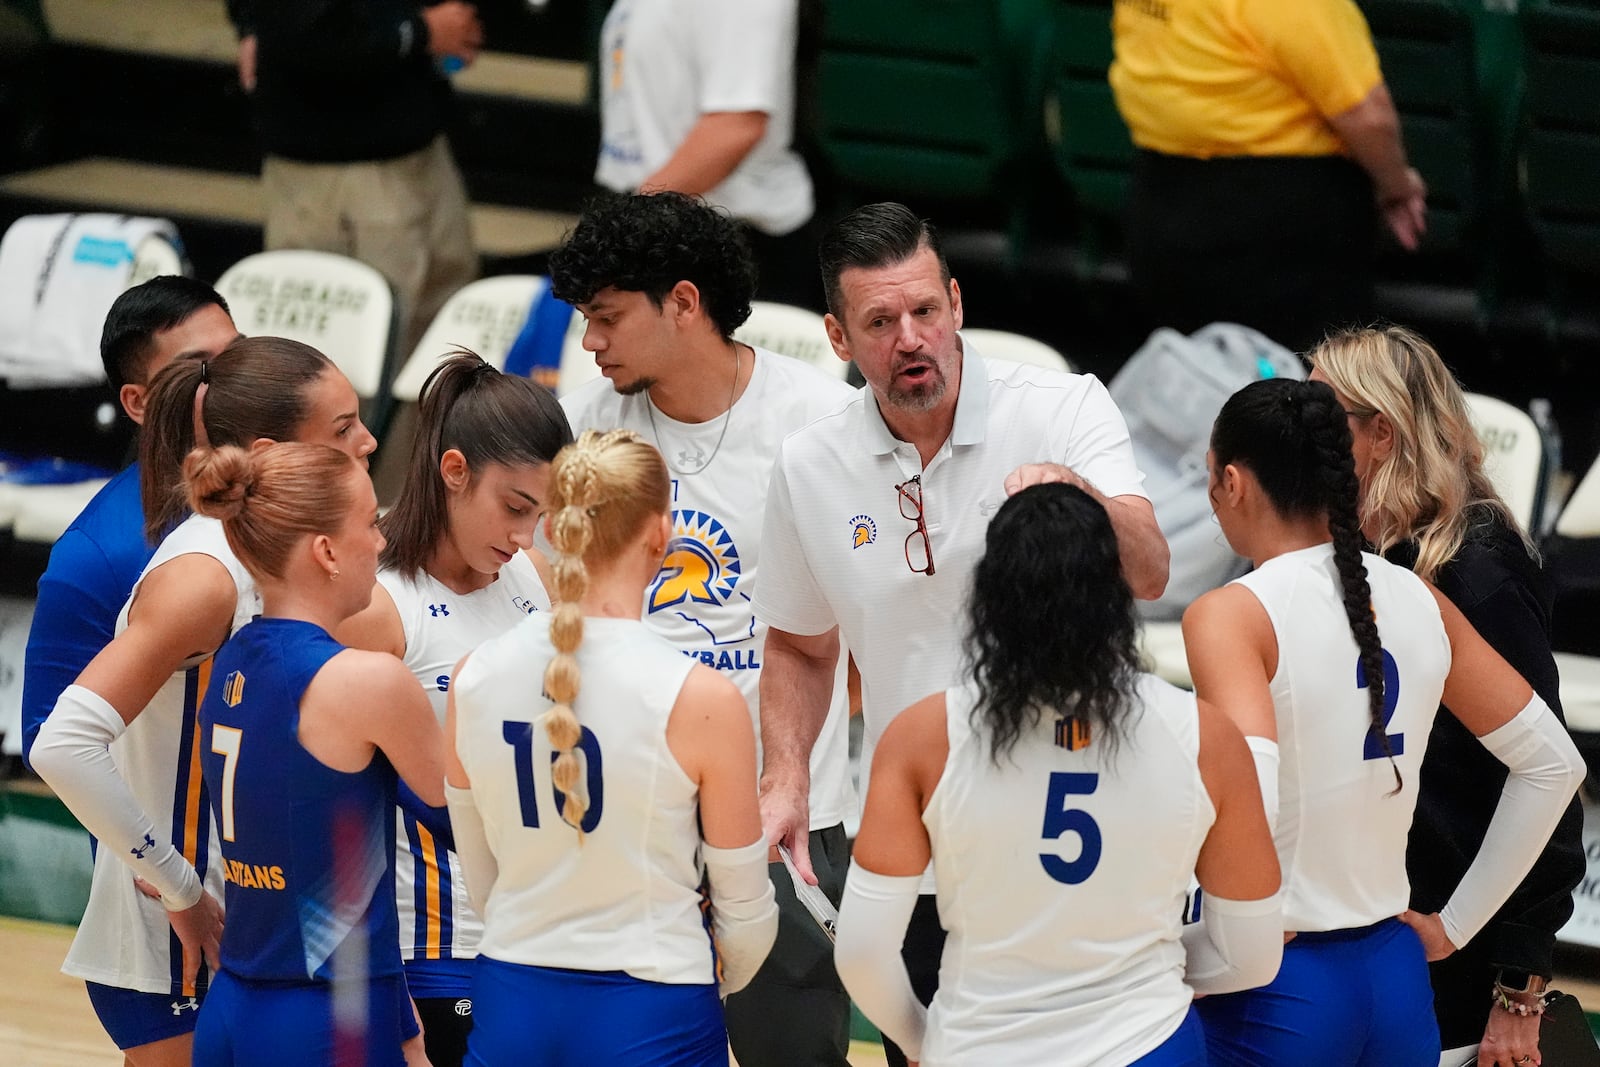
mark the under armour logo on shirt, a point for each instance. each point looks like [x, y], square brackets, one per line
[437, 610]
[181, 1006]
[149, 843]
[697, 457]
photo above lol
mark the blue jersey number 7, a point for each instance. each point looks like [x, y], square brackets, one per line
[1391, 700]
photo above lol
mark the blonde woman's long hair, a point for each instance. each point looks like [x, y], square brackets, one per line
[603, 489]
[1433, 481]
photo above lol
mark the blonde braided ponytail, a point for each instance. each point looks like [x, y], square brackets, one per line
[603, 488]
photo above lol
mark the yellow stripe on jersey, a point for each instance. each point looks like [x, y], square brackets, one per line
[191, 803]
[435, 919]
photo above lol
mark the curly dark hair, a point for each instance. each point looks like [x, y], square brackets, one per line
[649, 242]
[1294, 437]
[1052, 619]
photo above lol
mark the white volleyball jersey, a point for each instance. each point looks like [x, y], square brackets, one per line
[124, 939]
[703, 599]
[1064, 946]
[626, 897]
[436, 917]
[1342, 826]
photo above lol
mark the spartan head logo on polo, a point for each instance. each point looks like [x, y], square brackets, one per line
[702, 564]
[863, 531]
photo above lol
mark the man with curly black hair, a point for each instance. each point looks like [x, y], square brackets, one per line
[663, 281]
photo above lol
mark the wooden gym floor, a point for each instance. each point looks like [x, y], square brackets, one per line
[46, 1021]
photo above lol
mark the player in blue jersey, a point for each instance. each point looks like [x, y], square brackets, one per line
[1333, 663]
[1063, 948]
[608, 824]
[94, 564]
[456, 570]
[121, 746]
[301, 739]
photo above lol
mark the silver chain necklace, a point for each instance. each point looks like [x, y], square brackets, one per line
[727, 417]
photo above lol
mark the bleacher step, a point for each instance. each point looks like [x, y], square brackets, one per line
[187, 192]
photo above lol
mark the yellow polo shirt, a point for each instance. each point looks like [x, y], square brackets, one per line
[1207, 78]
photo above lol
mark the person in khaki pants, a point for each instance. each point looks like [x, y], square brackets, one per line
[351, 104]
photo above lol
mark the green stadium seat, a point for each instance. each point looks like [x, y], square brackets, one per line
[932, 99]
[1089, 142]
[1429, 63]
[1561, 160]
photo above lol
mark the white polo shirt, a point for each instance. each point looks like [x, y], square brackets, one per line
[833, 540]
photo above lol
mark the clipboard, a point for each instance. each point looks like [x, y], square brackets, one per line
[812, 898]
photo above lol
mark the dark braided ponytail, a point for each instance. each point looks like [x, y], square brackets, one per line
[1293, 436]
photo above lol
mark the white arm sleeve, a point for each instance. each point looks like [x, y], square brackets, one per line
[1264, 751]
[1545, 771]
[73, 754]
[744, 910]
[872, 924]
[1238, 945]
[472, 845]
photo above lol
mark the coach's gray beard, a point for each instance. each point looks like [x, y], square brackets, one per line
[921, 398]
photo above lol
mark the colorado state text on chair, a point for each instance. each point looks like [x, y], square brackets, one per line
[791, 331]
[337, 305]
[1513, 455]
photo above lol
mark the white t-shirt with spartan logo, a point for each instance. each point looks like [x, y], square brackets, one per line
[703, 599]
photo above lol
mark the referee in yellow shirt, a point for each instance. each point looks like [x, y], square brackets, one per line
[1269, 148]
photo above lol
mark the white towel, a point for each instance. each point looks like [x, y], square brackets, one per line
[59, 275]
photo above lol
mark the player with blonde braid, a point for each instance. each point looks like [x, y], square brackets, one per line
[571, 531]
[595, 949]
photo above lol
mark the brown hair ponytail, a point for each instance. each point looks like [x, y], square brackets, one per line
[256, 387]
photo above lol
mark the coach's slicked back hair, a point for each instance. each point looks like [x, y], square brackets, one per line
[256, 387]
[1432, 485]
[268, 499]
[603, 489]
[1294, 438]
[649, 242]
[1052, 626]
[142, 312]
[874, 236]
[488, 417]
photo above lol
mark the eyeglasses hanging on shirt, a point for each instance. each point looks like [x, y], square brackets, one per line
[919, 549]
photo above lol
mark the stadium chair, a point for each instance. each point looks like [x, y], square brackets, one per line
[934, 99]
[1426, 48]
[1088, 141]
[1580, 675]
[1561, 56]
[1513, 455]
[1161, 645]
[154, 257]
[484, 317]
[339, 306]
[791, 331]
[1015, 348]
[43, 512]
[577, 362]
